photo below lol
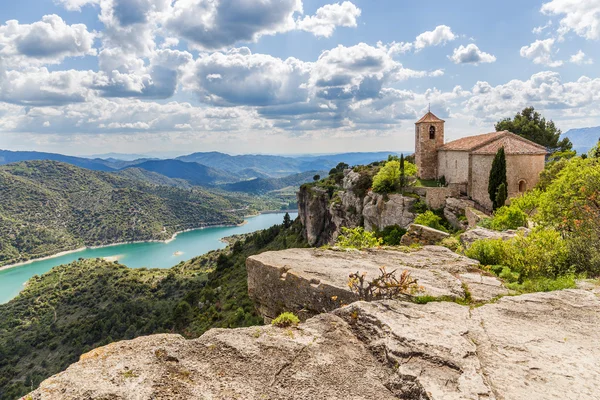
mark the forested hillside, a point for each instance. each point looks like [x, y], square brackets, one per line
[265, 185]
[77, 307]
[47, 207]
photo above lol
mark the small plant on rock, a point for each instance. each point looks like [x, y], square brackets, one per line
[385, 286]
[285, 320]
[357, 238]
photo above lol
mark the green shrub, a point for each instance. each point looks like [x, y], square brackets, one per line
[285, 320]
[451, 243]
[508, 275]
[388, 178]
[391, 235]
[357, 238]
[428, 218]
[508, 217]
[543, 284]
[488, 252]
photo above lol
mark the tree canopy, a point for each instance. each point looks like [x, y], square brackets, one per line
[531, 125]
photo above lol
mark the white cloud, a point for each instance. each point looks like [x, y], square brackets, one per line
[580, 16]
[328, 17]
[541, 52]
[47, 41]
[580, 58]
[471, 54]
[440, 35]
[75, 5]
[539, 29]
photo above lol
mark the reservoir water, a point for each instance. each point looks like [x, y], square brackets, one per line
[137, 255]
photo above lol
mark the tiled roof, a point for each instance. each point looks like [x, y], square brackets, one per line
[429, 117]
[490, 143]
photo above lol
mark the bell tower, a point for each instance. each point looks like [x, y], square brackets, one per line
[429, 137]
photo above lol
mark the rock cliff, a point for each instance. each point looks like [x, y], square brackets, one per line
[536, 346]
[324, 211]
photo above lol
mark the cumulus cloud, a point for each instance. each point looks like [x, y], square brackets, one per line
[328, 17]
[539, 29]
[440, 35]
[75, 5]
[580, 58]
[541, 52]
[471, 54]
[581, 17]
[47, 41]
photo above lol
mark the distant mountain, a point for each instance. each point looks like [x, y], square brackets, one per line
[7, 156]
[262, 185]
[583, 139]
[281, 166]
[153, 178]
[119, 156]
[48, 206]
[194, 173]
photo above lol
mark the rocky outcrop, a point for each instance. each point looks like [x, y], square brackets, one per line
[324, 212]
[313, 281]
[535, 346]
[473, 235]
[474, 216]
[394, 209]
[455, 210]
[422, 235]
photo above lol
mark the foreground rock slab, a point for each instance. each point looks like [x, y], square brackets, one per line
[312, 281]
[535, 346]
[322, 359]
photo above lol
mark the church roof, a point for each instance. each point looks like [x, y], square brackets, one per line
[429, 117]
[490, 143]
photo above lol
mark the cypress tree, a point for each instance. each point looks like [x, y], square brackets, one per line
[402, 179]
[497, 178]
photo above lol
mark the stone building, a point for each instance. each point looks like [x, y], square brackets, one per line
[468, 161]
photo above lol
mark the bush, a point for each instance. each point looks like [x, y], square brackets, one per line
[357, 238]
[488, 252]
[428, 218]
[388, 178]
[285, 320]
[391, 235]
[508, 217]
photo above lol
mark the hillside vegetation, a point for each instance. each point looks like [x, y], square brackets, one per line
[265, 185]
[77, 307]
[47, 207]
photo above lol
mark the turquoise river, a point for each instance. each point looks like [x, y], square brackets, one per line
[186, 245]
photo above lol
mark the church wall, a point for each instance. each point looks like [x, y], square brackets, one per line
[525, 168]
[454, 165]
[518, 168]
[480, 176]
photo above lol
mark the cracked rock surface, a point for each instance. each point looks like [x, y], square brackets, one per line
[312, 281]
[535, 346]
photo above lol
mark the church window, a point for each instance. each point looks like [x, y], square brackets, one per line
[522, 186]
[432, 132]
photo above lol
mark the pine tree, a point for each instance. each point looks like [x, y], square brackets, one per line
[287, 221]
[497, 178]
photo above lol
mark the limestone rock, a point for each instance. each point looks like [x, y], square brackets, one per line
[379, 212]
[312, 281]
[313, 209]
[455, 208]
[535, 346]
[474, 216]
[540, 346]
[321, 359]
[424, 235]
[473, 235]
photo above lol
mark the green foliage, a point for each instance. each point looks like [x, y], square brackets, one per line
[532, 126]
[595, 151]
[357, 238]
[544, 284]
[287, 221]
[428, 218]
[316, 177]
[497, 179]
[387, 179]
[77, 307]
[363, 184]
[391, 235]
[285, 320]
[508, 217]
[542, 252]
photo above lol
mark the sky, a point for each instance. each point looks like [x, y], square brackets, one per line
[286, 76]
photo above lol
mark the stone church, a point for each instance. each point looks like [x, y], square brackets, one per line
[467, 162]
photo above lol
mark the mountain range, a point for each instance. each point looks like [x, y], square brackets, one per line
[583, 139]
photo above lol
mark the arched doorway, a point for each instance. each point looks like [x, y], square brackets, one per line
[522, 186]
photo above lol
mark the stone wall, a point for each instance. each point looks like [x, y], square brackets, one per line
[454, 166]
[525, 168]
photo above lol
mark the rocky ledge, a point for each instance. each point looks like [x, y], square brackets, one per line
[536, 346]
[312, 281]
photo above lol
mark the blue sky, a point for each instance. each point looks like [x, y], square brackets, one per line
[286, 76]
